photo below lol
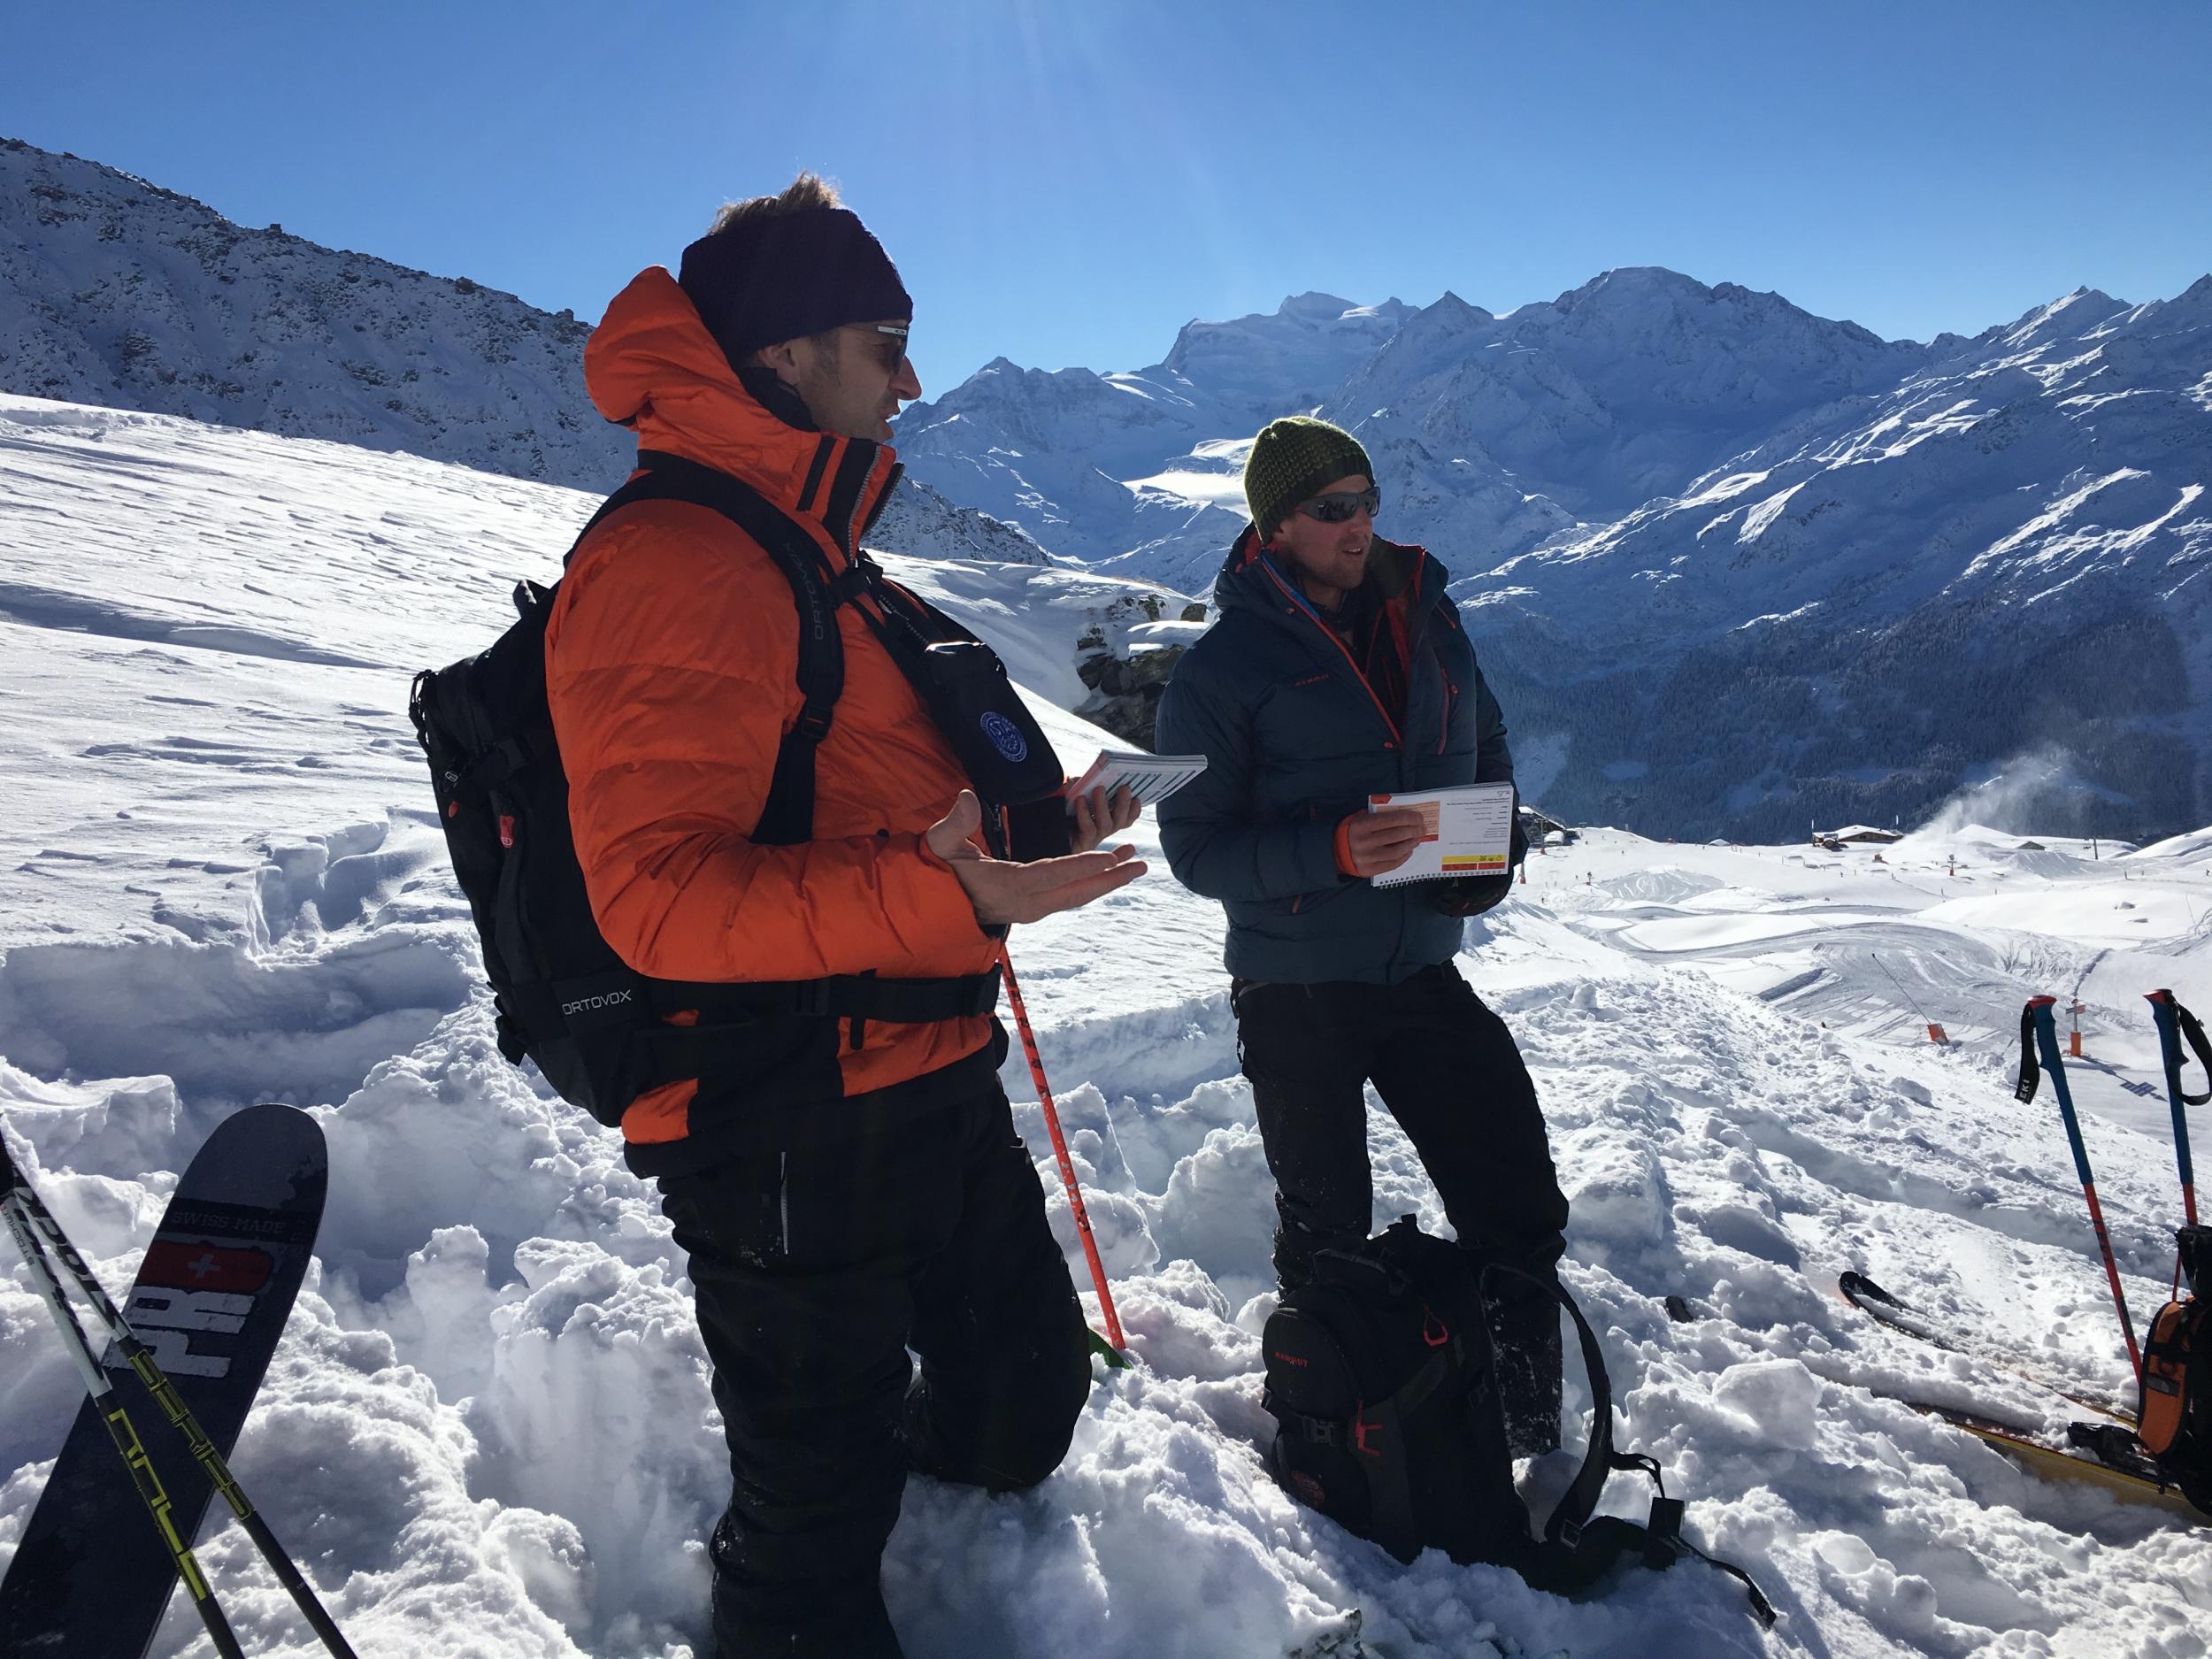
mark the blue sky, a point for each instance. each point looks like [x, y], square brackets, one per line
[1069, 183]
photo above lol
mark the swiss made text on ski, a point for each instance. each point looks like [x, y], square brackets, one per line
[111, 1534]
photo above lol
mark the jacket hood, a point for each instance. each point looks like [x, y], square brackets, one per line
[651, 366]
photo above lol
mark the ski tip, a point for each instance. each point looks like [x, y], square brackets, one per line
[1857, 1289]
[269, 1155]
[1116, 1359]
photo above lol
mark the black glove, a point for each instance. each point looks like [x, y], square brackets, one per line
[1471, 895]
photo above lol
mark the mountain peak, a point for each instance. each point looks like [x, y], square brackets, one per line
[2068, 315]
[1647, 279]
[1313, 304]
[1448, 305]
[1631, 287]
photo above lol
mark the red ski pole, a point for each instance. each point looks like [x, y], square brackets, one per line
[1060, 1151]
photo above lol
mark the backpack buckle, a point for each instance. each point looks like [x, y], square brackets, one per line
[1319, 1431]
[1663, 1543]
[1360, 1429]
[855, 578]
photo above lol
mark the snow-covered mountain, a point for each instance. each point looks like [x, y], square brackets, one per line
[115, 291]
[918, 520]
[2000, 556]
[1493, 432]
[1488, 431]
[1732, 565]
[1141, 469]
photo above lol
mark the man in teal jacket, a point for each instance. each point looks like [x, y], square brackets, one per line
[1339, 669]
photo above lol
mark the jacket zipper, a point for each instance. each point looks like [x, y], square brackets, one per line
[1396, 737]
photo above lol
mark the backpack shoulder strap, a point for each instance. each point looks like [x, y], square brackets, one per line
[2031, 1073]
[787, 815]
[1600, 1459]
[1575, 1550]
[2166, 1009]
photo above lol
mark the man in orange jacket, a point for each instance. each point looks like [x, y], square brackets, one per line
[859, 1191]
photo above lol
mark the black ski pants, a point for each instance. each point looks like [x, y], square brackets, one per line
[1450, 1074]
[817, 1269]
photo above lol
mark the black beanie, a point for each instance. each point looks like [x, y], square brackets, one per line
[782, 276]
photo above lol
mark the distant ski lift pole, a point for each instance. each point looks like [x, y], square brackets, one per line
[1936, 1033]
[2073, 1035]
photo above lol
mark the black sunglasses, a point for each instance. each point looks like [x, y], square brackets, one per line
[1341, 506]
[891, 348]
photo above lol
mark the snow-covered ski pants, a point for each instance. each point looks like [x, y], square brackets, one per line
[816, 1268]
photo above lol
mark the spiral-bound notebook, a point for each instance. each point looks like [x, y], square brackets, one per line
[1470, 832]
[1150, 778]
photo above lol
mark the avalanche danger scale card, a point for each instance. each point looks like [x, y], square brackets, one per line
[1470, 832]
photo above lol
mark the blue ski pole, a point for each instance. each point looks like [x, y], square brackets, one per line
[2037, 1031]
[2173, 1019]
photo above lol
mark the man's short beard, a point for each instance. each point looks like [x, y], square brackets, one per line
[820, 390]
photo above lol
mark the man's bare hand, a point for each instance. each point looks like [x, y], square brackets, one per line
[1002, 891]
[1098, 815]
[1380, 842]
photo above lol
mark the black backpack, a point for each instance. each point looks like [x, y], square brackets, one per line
[1382, 1382]
[599, 1029]
[2175, 1425]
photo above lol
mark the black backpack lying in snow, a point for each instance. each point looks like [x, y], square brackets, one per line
[599, 1029]
[1381, 1379]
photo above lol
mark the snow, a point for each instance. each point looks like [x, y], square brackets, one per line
[488, 1432]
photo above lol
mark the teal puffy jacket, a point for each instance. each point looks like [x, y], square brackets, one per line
[1295, 739]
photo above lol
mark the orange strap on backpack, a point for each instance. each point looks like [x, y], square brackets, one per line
[2166, 1375]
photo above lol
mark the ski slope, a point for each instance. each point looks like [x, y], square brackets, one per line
[487, 1432]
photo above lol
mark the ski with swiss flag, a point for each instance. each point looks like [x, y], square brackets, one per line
[92, 1575]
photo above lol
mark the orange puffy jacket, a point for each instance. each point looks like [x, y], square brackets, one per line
[672, 663]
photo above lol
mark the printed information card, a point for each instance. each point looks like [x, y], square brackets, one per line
[1469, 833]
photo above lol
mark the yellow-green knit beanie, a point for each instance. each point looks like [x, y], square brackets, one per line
[1291, 460]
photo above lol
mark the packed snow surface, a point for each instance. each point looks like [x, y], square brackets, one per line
[489, 1430]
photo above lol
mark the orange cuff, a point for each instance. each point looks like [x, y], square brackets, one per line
[1344, 846]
